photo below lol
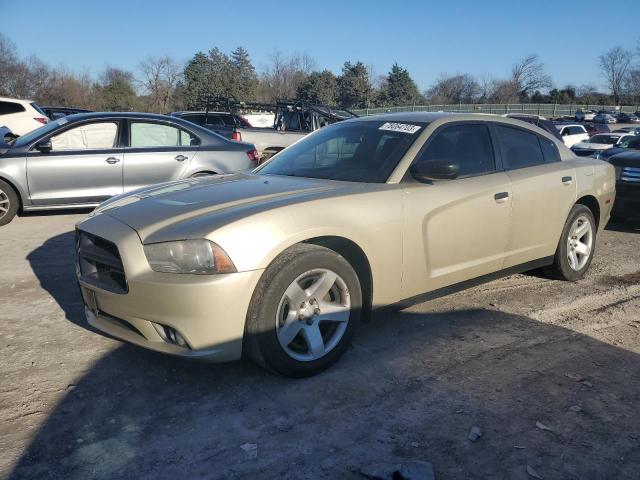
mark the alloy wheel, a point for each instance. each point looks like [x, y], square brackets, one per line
[580, 243]
[5, 203]
[312, 315]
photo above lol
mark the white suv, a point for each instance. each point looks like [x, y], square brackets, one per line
[572, 134]
[21, 116]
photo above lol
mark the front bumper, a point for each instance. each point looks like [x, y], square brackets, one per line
[208, 311]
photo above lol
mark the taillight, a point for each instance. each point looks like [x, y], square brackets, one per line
[253, 155]
[236, 136]
[43, 120]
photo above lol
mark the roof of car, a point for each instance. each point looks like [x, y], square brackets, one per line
[420, 116]
[187, 112]
[90, 115]
[18, 100]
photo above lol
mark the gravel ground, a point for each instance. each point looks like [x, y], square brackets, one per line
[511, 357]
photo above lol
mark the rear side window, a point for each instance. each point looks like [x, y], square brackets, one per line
[10, 107]
[520, 149]
[576, 130]
[549, 150]
[197, 119]
[469, 146]
[159, 135]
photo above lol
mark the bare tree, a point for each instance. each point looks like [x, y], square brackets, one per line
[614, 65]
[282, 77]
[159, 77]
[528, 75]
[460, 88]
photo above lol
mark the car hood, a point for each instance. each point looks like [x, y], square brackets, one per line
[591, 146]
[196, 206]
[626, 159]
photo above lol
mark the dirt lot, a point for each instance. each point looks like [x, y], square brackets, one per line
[503, 356]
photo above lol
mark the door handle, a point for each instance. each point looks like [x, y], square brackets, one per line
[112, 160]
[501, 197]
[181, 158]
[567, 180]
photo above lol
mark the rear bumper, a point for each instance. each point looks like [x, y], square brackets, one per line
[208, 311]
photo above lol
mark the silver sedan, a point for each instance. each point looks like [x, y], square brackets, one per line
[82, 160]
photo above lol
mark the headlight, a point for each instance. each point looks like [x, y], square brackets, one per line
[197, 257]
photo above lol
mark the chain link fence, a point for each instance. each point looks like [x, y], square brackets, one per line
[545, 109]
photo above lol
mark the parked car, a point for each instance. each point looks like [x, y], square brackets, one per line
[21, 116]
[627, 118]
[604, 118]
[598, 143]
[55, 113]
[572, 134]
[627, 166]
[538, 121]
[628, 143]
[292, 121]
[280, 264]
[81, 160]
[631, 130]
[596, 128]
[584, 115]
[223, 123]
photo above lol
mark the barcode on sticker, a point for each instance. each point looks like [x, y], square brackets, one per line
[400, 127]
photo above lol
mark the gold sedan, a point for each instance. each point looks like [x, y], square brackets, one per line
[282, 263]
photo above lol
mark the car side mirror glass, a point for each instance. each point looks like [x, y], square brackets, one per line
[44, 146]
[435, 170]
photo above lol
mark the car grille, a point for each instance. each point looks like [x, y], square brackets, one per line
[630, 174]
[99, 263]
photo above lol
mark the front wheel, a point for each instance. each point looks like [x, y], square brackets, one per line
[304, 311]
[576, 247]
[8, 203]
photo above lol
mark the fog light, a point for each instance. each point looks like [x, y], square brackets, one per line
[177, 338]
[171, 335]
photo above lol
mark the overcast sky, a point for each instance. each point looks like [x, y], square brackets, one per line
[426, 37]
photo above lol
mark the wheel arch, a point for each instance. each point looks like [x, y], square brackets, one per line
[21, 195]
[592, 204]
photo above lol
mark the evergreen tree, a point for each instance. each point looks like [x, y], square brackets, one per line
[319, 88]
[400, 89]
[354, 87]
[244, 79]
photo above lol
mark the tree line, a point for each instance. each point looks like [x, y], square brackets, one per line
[162, 84]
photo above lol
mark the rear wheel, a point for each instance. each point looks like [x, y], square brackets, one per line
[304, 311]
[8, 203]
[576, 247]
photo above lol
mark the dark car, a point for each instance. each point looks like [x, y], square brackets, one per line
[632, 130]
[55, 113]
[630, 143]
[626, 118]
[223, 123]
[627, 204]
[596, 128]
[541, 122]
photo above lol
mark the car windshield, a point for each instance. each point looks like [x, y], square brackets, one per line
[38, 132]
[362, 151]
[604, 139]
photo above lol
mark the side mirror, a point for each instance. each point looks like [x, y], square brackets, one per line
[435, 170]
[44, 146]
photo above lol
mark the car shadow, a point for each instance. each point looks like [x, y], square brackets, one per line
[410, 387]
[623, 226]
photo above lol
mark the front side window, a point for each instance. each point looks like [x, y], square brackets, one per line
[148, 135]
[520, 149]
[90, 136]
[604, 139]
[363, 151]
[468, 146]
[576, 131]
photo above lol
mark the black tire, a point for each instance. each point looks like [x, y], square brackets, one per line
[261, 341]
[8, 200]
[561, 268]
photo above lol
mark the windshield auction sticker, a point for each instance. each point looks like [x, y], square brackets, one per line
[400, 127]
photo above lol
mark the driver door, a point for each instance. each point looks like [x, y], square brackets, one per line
[84, 166]
[456, 230]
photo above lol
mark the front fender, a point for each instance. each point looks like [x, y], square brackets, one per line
[14, 172]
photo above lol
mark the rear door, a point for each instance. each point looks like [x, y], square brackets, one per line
[157, 152]
[544, 190]
[83, 167]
